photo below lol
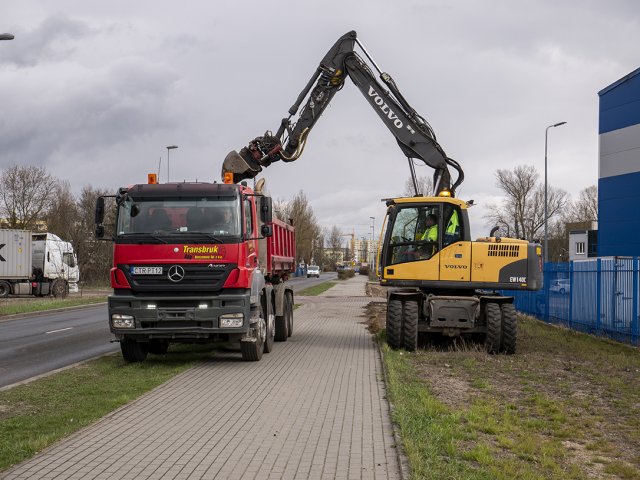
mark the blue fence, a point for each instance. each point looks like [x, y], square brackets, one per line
[598, 296]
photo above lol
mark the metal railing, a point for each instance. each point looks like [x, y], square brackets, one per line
[598, 296]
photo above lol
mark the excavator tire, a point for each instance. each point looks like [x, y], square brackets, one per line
[494, 327]
[394, 324]
[410, 325]
[509, 329]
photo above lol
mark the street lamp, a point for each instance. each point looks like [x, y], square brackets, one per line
[6, 36]
[373, 242]
[170, 147]
[546, 237]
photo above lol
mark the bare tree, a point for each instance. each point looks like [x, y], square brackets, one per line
[25, 195]
[585, 209]
[62, 215]
[425, 186]
[307, 230]
[94, 256]
[334, 244]
[521, 214]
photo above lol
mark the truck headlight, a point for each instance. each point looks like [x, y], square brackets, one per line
[119, 320]
[231, 320]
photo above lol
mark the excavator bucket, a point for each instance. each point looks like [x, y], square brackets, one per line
[239, 166]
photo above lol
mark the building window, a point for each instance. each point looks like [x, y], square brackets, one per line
[579, 248]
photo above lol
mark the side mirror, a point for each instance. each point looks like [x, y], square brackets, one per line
[99, 231]
[266, 210]
[99, 210]
[266, 230]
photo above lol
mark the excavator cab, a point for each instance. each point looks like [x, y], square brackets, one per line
[418, 232]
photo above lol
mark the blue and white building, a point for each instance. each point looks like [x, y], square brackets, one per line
[619, 168]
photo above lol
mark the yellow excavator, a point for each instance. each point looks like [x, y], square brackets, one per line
[442, 282]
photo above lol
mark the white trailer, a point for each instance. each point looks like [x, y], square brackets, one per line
[36, 264]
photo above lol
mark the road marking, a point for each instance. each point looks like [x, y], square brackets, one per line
[56, 331]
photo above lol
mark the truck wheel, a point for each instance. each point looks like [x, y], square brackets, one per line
[158, 348]
[410, 325]
[288, 309]
[271, 328]
[59, 289]
[509, 329]
[494, 321]
[394, 324]
[282, 323]
[252, 351]
[5, 289]
[134, 352]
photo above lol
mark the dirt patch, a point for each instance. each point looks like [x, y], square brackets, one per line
[374, 289]
[578, 392]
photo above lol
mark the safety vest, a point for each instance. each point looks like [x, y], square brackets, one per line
[454, 223]
[430, 234]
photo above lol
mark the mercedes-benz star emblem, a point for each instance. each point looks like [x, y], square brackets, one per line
[176, 273]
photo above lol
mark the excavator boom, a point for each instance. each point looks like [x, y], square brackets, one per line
[413, 134]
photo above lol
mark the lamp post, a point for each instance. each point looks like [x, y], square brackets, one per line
[170, 147]
[373, 242]
[6, 36]
[546, 237]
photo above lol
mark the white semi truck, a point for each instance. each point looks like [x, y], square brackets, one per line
[36, 264]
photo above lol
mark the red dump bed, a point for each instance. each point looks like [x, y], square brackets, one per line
[281, 248]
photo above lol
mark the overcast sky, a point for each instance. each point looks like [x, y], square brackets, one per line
[95, 91]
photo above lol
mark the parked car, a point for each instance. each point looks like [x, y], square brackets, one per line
[560, 286]
[313, 271]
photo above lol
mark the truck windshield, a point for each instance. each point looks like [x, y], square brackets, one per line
[215, 217]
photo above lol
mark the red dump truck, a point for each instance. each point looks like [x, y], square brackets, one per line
[197, 263]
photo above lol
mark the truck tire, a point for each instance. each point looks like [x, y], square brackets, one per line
[494, 326]
[282, 323]
[394, 324]
[134, 352]
[271, 327]
[5, 289]
[410, 325]
[252, 350]
[158, 348]
[288, 308]
[59, 289]
[509, 329]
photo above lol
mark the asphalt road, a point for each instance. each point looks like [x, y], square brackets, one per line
[35, 345]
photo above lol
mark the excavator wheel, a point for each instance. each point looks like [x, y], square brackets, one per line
[509, 329]
[394, 324]
[494, 327]
[410, 325]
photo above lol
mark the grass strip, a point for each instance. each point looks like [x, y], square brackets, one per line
[566, 406]
[37, 414]
[29, 306]
[316, 289]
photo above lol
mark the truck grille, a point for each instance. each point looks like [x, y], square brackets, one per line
[504, 250]
[191, 277]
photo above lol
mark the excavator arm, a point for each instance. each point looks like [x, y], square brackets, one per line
[413, 134]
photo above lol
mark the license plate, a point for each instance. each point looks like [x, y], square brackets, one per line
[146, 270]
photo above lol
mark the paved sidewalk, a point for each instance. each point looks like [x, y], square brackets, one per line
[313, 408]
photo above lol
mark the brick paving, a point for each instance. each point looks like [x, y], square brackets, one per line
[313, 408]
